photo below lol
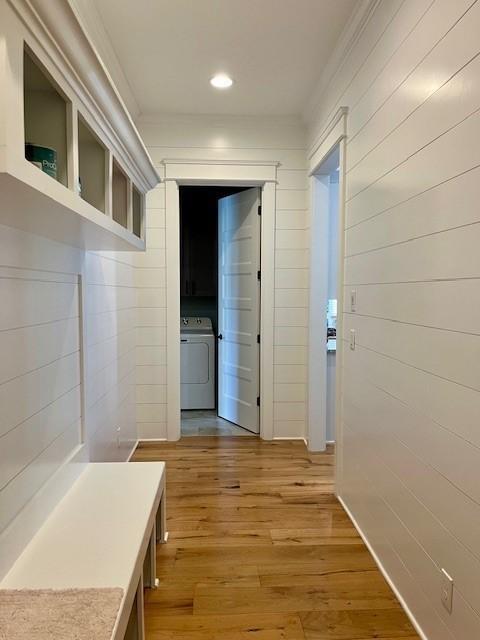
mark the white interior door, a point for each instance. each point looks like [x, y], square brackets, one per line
[239, 308]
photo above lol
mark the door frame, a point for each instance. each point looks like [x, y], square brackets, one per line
[334, 136]
[219, 173]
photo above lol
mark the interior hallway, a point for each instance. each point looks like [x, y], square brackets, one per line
[260, 547]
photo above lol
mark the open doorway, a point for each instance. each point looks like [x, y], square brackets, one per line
[325, 290]
[219, 310]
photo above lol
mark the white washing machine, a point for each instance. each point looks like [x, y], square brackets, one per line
[197, 363]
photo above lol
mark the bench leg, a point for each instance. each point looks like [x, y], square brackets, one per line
[150, 563]
[136, 621]
[162, 534]
[140, 612]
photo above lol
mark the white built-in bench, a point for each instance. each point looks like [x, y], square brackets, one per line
[101, 534]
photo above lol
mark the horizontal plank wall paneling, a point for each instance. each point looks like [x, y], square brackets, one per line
[110, 314]
[40, 398]
[411, 444]
[41, 334]
[247, 139]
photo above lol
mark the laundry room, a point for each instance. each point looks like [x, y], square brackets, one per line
[201, 327]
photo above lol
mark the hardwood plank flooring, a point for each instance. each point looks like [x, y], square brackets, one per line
[259, 547]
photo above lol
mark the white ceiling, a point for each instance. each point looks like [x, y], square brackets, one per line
[275, 50]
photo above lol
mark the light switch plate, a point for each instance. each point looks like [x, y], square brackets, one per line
[352, 339]
[446, 594]
[353, 300]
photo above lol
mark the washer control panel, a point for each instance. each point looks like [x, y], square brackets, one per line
[202, 324]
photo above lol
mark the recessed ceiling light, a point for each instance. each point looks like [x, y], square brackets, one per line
[221, 81]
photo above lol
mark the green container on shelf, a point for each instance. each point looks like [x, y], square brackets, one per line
[42, 157]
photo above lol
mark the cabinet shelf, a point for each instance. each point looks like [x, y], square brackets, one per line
[45, 118]
[92, 167]
[66, 218]
[120, 202]
[72, 165]
[138, 212]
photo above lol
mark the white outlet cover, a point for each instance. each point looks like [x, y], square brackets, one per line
[446, 594]
[353, 300]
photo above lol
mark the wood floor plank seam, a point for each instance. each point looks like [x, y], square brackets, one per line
[261, 548]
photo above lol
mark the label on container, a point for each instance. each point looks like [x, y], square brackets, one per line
[42, 157]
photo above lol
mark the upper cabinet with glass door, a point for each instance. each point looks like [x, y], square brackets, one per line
[72, 165]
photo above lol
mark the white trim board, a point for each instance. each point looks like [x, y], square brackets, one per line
[236, 163]
[384, 572]
[335, 130]
[211, 172]
[132, 452]
[230, 173]
[334, 136]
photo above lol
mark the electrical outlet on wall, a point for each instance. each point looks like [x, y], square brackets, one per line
[446, 594]
[353, 300]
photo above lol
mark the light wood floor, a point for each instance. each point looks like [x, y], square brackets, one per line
[260, 548]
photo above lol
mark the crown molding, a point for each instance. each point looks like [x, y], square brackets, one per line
[93, 24]
[347, 40]
[56, 27]
[236, 163]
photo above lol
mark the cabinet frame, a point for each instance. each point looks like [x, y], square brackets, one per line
[35, 201]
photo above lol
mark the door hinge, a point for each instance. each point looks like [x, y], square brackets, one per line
[259, 209]
[259, 275]
[258, 401]
[258, 338]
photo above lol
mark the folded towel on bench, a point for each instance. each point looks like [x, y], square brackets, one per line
[63, 614]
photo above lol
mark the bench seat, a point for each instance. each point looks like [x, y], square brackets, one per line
[101, 534]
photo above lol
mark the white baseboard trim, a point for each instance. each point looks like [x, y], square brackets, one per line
[141, 440]
[290, 438]
[384, 573]
[130, 455]
[319, 450]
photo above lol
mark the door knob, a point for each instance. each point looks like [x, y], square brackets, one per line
[220, 337]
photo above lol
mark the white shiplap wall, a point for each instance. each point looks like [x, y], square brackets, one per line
[411, 444]
[111, 340]
[40, 367]
[230, 139]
